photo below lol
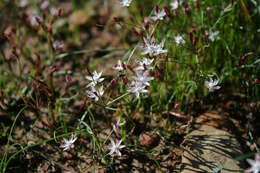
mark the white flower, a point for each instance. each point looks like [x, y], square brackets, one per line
[53, 11]
[95, 79]
[158, 15]
[153, 49]
[125, 3]
[179, 39]
[175, 4]
[23, 3]
[212, 84]
[119, 66]
[95, 94]
[143, 78]
[137, 88]
[45, 5]
[67, 144]
[214, 36]
[115, 147]
[118, 124]
[34, 21]
[255, 164]
[58, 45]
[145, 64]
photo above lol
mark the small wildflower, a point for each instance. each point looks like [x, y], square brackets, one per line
[118, 124]
[45, 5]
[95, 79]
[67, 144]
[137, 88]
[125, 3]
[175, 4]
[179, 39]
[58, 45]
[214, 36]
[153, 49]
[158, 15]
[54, 11]
[23, 3]
[115, 147]
[119, 66]
[95, 94]
[34, 21]
[143, 78]
[255, 164]
[145, 64]
[212, 84]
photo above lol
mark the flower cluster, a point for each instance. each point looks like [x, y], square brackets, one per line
[93, 92]
[153, 49]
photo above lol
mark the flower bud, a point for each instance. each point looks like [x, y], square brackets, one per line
[68, 79]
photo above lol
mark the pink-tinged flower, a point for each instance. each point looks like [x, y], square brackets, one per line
[35, 20]
[179, 39]
[125, 3]
[115, 147]
[67, 144]
[118, 124]
[45, 5]
[137, 88]
[143, 78]
[54, 11]
[255, 164]
[23, 3]
[158, 15]
[212, 84]
[175, 4]
[95, 94]
[153, 49]
[214, 36]
[95, 79]
[145, 64]
[58, 45]
[119, 66]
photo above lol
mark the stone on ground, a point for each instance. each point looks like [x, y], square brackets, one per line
[208, 149]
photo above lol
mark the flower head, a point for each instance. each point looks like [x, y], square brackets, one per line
[118, 124]
[255, 164]
[35, 20]
[214, 36]
[159, 15]
[142, 78]
[67, 144]
[179, 39]
[119, 66]
[145, 64]
[95, 79]
[115, 147]
[137, 88]
[23, 3]
[125, 3]
[95, 94]
[58, 45]
[175, 4]
[212, 84]
[153, 49]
